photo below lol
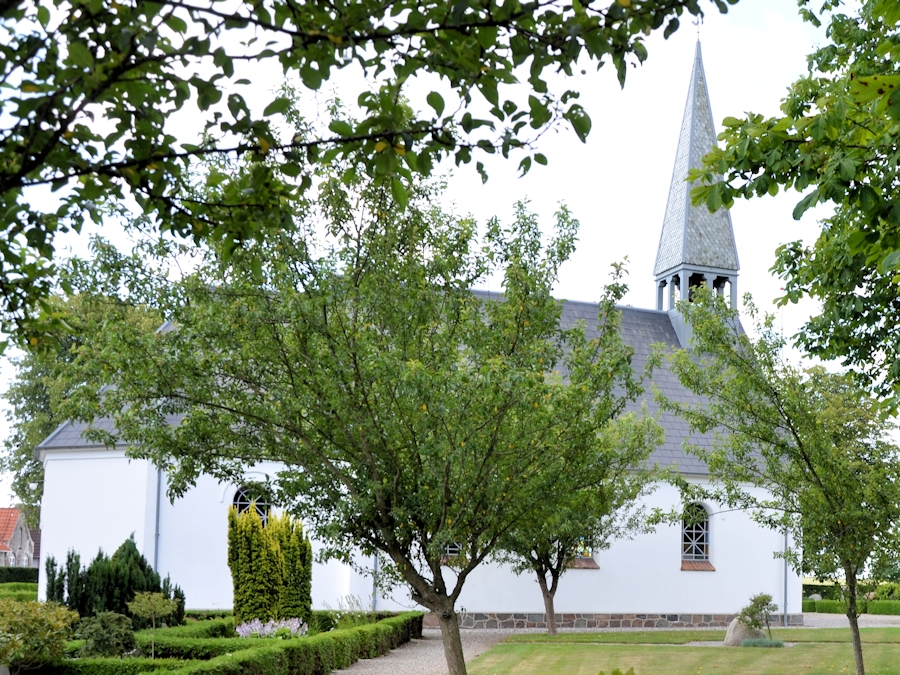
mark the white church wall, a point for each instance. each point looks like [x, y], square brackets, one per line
[92, 499]
[95, 499]
[644, 575]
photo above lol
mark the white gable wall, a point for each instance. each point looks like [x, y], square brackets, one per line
[93, 499]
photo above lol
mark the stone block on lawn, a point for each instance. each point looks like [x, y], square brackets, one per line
[738, 632]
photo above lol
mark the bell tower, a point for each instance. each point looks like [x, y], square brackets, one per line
[695, 246]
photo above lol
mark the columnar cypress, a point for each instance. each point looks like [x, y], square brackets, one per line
[271, 567]
[256, 572]
[296, 590]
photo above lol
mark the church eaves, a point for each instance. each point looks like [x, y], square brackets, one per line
[691, 235]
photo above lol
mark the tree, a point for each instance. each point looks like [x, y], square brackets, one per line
[94, 85]
[814, 441]
[409, 412]
[838, 141]
[152, 606]
[42, 381]
[593, 504]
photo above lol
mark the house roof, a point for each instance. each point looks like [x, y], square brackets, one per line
[9, 517]
[691, 235]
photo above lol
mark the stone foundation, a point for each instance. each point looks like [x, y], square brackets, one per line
[590, 620]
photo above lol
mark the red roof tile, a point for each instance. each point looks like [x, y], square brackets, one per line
[8, 519]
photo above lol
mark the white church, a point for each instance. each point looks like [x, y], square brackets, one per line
[697, 574]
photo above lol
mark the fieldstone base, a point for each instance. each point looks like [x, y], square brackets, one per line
[590, 620]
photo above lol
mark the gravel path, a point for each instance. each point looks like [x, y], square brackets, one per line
[426, 656]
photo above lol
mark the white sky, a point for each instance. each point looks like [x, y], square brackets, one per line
[617, 183]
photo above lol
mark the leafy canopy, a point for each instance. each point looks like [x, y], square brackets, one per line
[409, 411]
[91, 87]
[815, 441]
[838, 141]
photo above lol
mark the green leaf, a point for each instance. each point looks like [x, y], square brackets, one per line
[341, 128]
[398, 192]
[279, 105]
[580, 121]
[436, 101]
[176, 23]
[80, 55]
[540, 159]
[43, 15]
[891, 262]
[805, 204]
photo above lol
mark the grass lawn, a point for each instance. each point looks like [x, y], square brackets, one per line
[824, 651]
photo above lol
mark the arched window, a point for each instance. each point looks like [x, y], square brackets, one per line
[695, 539]
[245, 496]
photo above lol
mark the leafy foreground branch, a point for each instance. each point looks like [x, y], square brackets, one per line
[409, 412]
[814, 441]
[90, 90]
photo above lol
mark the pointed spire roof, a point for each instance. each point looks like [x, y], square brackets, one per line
[691, 235]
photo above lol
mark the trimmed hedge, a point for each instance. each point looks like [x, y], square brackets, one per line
[839, 606]
[315, 655]
[206, 614]
[884, 607]
[28, 575]
[201, 652]
[809, 606]
[111, 666]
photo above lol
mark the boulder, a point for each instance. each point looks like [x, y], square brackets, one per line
[738, 632]
[815, 596]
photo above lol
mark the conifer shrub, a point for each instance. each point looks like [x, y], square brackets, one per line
[109, 583]
[271, 568]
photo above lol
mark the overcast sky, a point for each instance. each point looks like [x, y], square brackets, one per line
[617, 183]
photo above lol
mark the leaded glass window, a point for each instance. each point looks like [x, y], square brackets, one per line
[246, 497]
[695, 533]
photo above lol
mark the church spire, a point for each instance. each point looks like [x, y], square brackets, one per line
[695, 246]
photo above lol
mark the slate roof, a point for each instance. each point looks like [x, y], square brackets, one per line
[71, 435]
[691, 235]
[642, 328]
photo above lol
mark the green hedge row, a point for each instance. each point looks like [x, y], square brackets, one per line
[884, 607]
[315, 655]
[110, 667]
[839, 606]
[809, 606]
[28, 575]
[195, 650]
[206, 614]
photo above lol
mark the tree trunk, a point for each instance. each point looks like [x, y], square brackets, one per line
[453, 652]
[549, 611]
[854, 622]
